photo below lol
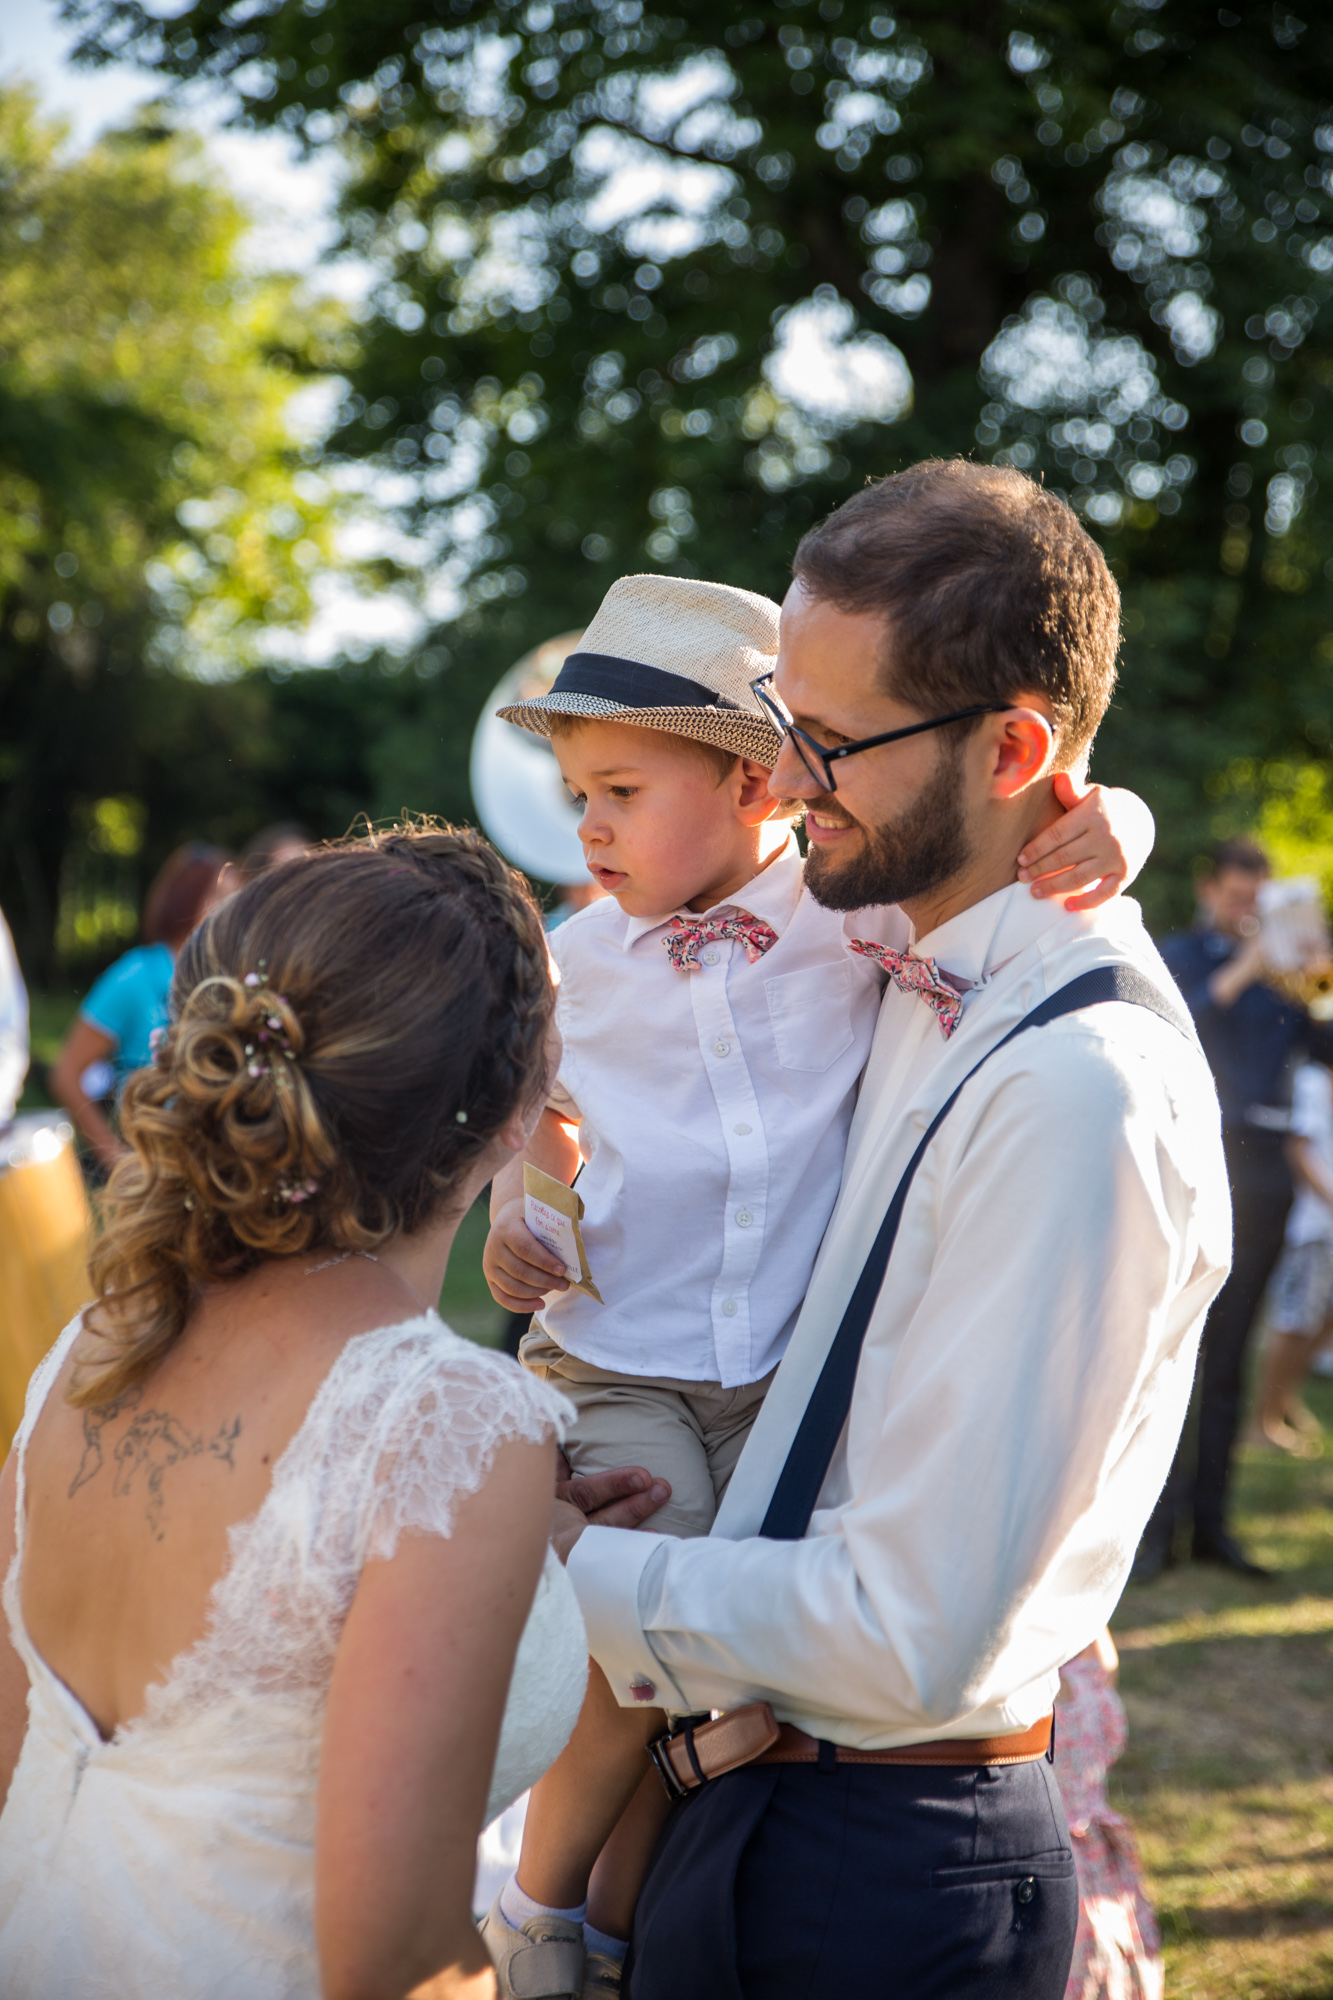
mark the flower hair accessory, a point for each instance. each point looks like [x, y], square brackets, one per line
[271, 1036]
[295, 1189]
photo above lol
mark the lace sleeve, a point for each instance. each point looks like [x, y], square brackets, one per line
[438, 1434]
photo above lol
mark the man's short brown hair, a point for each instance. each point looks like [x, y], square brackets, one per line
[991, 586]
[1245, 856]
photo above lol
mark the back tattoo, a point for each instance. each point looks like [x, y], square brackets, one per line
[154, 1442]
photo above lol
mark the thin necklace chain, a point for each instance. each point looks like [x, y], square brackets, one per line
[329, 1262]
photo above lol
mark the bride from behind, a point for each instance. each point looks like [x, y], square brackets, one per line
[278, 1582]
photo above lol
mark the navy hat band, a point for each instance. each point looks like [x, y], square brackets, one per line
[634, 685]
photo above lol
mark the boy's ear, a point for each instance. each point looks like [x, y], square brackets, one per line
[755, 802]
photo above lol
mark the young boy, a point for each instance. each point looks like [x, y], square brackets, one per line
[1301, 1297]
[715, 1021]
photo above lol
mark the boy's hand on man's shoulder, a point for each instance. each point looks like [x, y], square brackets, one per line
[520, 1271]
[1098, 845]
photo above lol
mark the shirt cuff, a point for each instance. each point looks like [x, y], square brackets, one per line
[607, 1568]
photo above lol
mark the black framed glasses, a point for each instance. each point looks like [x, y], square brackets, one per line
[819, 761]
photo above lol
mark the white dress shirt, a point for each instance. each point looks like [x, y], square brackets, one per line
[714, 1107]
[1022, 1385]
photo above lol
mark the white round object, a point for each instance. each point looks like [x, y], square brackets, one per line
[33, 1138]
[517, 788]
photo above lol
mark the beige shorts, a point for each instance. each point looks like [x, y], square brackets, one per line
[689, 1433]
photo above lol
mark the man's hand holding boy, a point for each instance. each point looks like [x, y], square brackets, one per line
[623, 1498]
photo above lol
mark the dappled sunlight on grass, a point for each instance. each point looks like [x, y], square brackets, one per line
[1229, 1772]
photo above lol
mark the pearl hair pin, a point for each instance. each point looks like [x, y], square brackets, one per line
[271, 1033]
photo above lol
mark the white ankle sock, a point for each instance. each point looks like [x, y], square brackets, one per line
[517, 1907]
[610, 1947]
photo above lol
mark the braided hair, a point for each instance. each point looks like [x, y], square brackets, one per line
[348, 1035]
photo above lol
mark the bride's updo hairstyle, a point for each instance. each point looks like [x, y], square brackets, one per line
[348, 1032]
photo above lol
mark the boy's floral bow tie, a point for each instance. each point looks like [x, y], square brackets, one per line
[684, 941]
[917, 975]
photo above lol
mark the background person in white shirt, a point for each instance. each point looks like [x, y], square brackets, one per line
[715, 1024]
[1300, 1310]
[1027, 1365]
[13, 1026]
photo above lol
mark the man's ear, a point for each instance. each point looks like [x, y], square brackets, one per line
[754, 802]
[1024, 744]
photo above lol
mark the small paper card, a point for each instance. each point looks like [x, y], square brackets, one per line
[553, 1213]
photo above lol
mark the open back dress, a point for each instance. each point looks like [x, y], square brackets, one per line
[175, 1859]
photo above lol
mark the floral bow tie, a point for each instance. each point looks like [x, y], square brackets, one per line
[685, 939]
[916, 975]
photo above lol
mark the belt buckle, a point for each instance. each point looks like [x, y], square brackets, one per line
[658, 1750]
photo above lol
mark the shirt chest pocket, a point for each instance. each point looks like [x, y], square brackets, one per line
[811, 1013]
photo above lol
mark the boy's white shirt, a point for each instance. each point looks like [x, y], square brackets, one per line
[1311, 1218]
[1022, 1384]
[715, 1106]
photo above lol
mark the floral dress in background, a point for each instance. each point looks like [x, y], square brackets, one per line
[1118, 1949]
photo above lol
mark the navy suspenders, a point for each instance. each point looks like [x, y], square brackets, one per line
[817, 1436]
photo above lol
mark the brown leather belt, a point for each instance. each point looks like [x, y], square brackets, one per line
[701, 1749]
[795, 1747]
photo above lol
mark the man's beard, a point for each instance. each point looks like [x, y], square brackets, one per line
[922, 849]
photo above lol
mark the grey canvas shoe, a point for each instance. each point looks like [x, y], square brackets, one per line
[541, 1961]
[601, 1976]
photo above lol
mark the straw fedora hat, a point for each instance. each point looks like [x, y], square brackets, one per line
[670, 653]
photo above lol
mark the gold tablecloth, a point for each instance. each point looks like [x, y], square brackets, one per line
[45, 1232]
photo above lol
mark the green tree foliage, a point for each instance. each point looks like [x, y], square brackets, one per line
[1100, 235]
[155, 511]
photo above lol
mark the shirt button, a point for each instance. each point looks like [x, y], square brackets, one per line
[743, 1218]
[712, 957]
[744, 1130]
[721, 1048]
[1026, 1890]
[730, 1308]
[642, 1688]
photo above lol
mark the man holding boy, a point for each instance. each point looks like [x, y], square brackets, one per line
[1029, 1353]
[714, 1021]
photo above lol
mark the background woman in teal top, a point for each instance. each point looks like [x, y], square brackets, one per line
[112, 1033]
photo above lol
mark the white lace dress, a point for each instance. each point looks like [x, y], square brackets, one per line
[176, 1860]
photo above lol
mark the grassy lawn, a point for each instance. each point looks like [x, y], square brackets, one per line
[1229, 1772]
